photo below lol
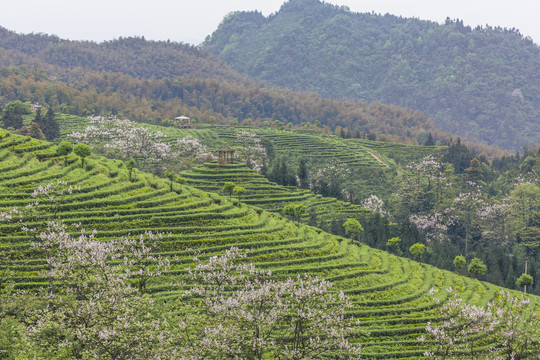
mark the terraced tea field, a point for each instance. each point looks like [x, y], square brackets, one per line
[357, 154]
[390, 294]
[271, 196]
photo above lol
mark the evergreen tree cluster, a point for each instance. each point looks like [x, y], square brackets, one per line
[43, 127]
[478, 83]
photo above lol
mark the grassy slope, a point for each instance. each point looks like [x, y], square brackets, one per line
[390, 294]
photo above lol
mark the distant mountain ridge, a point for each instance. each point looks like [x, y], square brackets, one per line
[480, 83]
[133, 56]
[152, 81]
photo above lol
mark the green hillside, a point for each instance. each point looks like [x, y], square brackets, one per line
[372, 164]
[259, 191]
[407, 182]
[479, 83]
[390, 295]
[133, 56]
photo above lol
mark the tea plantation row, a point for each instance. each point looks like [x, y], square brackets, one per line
[390, 294]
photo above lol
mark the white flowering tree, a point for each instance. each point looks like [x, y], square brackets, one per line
[433, 226]
[423, 186]
[128, 138]
[457, 333]
[465, 211]
[51, 195]
[518, 334]
[331, 180]
[191, 151]
[494, 222]
[92, 309]
[140, 260]
[96, 313]
[507, 328]
[432, 172]
[258, 315]
[375, 204]
[251, 150]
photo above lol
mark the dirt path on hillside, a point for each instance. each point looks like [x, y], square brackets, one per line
[377, 158]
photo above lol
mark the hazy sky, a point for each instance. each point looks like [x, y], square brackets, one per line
[190, 21]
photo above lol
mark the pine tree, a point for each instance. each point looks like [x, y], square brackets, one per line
[35, 131]
[12, 114]
[474, 171]
[38, 118]
[458, 155]
[49, 125]
[303, 173]
[429, 141]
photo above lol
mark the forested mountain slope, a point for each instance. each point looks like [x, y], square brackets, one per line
[480, 83]
[83, 92]
[132, 56]
[151, 81]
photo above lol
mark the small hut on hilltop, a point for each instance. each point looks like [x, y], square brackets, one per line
[183, 122]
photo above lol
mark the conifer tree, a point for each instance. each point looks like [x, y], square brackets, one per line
[474, 171]
[48, 124]
[303, 173]
[38, 117]
[33, 130]
[429, 141]
[12, 114]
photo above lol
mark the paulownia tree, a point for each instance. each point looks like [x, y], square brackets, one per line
[457, 332]
[508, 325]
[96, 313]
[93, 311]
[251, 150]
[244, 313]
[127, 138]
[191, 151]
